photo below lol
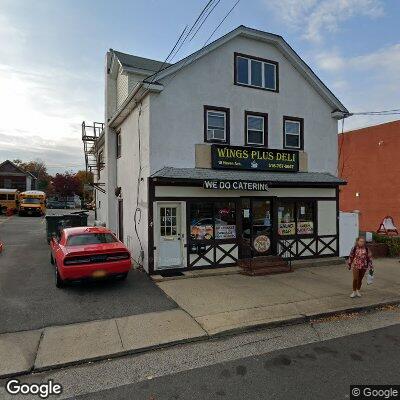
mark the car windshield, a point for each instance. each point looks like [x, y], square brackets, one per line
[90, 238]
[31, 201]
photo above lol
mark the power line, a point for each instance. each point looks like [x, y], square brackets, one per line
[204, 20]
[203, 11]
[179, 43]
[226, 16]
[204, 45]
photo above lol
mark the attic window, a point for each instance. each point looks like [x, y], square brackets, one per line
[256, 72]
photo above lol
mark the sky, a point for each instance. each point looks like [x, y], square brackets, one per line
[52, 58]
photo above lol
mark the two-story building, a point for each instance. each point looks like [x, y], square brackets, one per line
[229, 153]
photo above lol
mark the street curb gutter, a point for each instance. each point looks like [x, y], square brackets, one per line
[306, 318]
[118, 354]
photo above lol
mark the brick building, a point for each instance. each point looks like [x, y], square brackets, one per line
[13, 177]
[368, 161]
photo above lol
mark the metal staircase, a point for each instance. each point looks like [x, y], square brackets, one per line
[90, 137]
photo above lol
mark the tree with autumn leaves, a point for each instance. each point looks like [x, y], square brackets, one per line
[61, 184]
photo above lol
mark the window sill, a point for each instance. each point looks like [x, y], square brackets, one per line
[216, 141]
[256, 87]
[293, 148]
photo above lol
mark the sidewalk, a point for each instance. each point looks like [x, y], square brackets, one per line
[211, 306]
[59, 346]
[236, 302]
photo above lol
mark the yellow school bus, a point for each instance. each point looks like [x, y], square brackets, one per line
[9, 199]
[32, 202]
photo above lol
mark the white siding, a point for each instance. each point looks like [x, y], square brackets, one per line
[122, 88]
[327, 217]
[127, 178]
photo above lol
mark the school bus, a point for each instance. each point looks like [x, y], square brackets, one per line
[32, 202]
[9, 199]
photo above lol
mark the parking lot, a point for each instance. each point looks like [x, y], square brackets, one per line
[30, 300]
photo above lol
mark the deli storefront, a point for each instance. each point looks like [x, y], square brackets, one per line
[250, 203]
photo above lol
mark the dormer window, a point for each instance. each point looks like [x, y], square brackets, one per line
[216, 124]
[256, 72]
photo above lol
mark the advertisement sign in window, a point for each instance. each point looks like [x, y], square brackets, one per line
[225, 232]
[305, 228]
[201, 232]
[287, 228]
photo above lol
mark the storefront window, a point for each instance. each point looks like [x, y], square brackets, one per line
[296, 217]
[286, 220]
[201, 221]
[205, 217]
[305, 218]
[225, 220]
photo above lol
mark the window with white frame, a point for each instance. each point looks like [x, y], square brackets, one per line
[216, 124]
[292, 133]
[256, 72]
[256, 129]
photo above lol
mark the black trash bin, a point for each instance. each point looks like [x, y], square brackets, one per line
[54, 223]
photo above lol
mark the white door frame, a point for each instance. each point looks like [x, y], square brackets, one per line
[157, 229]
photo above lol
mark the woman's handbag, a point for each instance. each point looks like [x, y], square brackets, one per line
[370, 277]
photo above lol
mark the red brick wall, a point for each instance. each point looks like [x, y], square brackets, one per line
[369, 160]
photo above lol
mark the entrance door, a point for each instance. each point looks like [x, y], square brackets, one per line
[257, 227]
[170, 254]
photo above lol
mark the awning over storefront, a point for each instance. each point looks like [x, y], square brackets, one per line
[271, 178]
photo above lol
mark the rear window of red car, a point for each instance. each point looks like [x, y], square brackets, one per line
[90, 238]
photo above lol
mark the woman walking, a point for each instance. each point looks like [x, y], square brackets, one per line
[360, 260]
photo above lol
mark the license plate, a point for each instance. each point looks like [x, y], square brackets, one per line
[29, 212]
[99, 274]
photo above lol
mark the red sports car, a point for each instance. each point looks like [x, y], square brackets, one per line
[88, 253]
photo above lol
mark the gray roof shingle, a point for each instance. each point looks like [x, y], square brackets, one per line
[128, 60]
[322, 178]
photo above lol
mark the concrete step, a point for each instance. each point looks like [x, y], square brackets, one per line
[316, 262]
[266, 271]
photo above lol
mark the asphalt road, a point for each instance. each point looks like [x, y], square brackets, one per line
[322, 370]
[30, 300]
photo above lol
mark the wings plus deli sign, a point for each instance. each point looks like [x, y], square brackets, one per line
[253, 158]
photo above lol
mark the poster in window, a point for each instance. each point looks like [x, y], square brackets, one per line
[201, 232]
[225, 232]
[261, 244]
[286, 228]
[305, 228]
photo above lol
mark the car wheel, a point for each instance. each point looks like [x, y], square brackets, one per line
[59, 282]
[51, 259]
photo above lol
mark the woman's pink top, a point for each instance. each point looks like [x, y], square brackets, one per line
[360, 258]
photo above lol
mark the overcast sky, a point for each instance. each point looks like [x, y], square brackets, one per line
[52, 58]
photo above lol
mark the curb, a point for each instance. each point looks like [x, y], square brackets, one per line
[117, 354]
[306, 318]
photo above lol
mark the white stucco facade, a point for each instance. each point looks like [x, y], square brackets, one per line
[160, 127]
[177, 112]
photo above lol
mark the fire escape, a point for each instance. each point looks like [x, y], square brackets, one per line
[94, 161]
